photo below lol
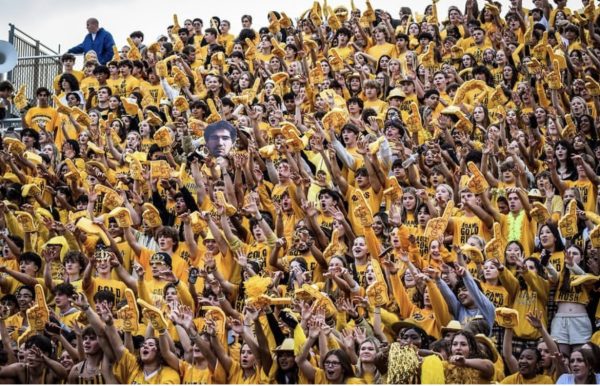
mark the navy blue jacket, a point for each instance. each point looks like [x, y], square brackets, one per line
[102, 45]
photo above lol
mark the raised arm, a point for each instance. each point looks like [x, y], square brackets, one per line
[302, 360]
[130, 238]
[507, 348]
[165, 350]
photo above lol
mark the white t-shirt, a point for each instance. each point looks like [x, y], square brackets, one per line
[569, 379]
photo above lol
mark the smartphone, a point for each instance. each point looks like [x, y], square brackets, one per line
[385, 251]
[193, 276]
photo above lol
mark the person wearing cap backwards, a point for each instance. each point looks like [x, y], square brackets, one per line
[103, 263]
[154, 290]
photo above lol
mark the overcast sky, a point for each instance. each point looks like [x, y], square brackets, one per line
[62, 22]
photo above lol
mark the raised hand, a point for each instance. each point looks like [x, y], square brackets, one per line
[535, 319]
[241, 258]
[236, 325]
[360, 335]
[105, 313]
[139, 270]
[348, 338]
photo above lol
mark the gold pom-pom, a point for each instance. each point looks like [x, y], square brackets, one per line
[403, 365]
[256, 286]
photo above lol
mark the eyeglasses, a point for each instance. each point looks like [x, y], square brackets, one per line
[332, 363]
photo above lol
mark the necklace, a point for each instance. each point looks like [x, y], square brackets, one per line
[515, 224]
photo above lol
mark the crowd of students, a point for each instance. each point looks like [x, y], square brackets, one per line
[349, 196]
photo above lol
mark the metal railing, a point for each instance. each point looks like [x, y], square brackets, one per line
[37, 65]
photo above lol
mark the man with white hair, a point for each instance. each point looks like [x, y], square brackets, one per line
[98, 40]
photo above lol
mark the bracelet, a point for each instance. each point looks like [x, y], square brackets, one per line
[259, 218]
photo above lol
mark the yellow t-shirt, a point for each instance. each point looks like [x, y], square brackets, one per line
[128, 85]
[70, 130]
[517, 379]
[11, 285]
[154, 91]
[477, 51]
[579, 294]
[587, 192]
[236, 376]
[343, 52]
[373, 201]
[378, 105]
[128, 371]
[379, 50]
[465, 227]
[114, 85]
[497, 294]
[321, 379]
[41, 118]
[117, 287]
[179, 265]
[87, 83]
[190, 375]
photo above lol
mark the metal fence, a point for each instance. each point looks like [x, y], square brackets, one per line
[37, 64]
